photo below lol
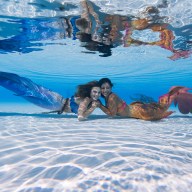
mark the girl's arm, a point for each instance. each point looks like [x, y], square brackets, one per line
[85, 13]
[92, 12]
[112, 106]
[105, 109]
[83, 110]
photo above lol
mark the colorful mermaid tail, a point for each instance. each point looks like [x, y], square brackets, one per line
[177, 54]
[32, 92]
[166, 37]
[179, 96]
[148, 111]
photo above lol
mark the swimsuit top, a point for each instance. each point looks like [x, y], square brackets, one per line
[122, 107]
[74, 27]
[73, 105]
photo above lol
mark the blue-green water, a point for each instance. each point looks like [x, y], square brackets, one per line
[39, 40]
[36, 42]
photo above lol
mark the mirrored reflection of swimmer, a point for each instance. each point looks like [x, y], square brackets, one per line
[33, 33]
[167, 39]
[98, 31]
[115, 30]
[89, 24]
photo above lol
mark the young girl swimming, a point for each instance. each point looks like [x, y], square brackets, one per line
[82, 103]
[115, 106]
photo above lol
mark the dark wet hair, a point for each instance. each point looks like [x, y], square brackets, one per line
[82, 23]
[85, 89]
[93, 45]
[105, 80]
[84, 37]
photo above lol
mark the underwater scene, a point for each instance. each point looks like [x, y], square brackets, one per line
[96, 95]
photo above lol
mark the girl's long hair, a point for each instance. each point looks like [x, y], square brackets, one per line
[105, 80]
[85, 89]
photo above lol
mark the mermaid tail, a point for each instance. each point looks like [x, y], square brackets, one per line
[180, 97]
[142, 98]
[148, 111]
[32, 92]
[177, 54]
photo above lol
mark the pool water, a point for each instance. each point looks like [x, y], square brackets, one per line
[144, 47]
[40, 40]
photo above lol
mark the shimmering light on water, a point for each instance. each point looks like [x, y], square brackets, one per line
[44, 153]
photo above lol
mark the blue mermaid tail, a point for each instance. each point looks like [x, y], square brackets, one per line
[32, 92]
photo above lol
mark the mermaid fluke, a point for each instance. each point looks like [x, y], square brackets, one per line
[142, 98]
[31, 91]
[180, 97]
[148, 111]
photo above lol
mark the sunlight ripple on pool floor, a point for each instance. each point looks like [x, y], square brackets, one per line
[46, 153]
[144, 47]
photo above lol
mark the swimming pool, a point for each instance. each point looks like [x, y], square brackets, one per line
[35, 43]
[144, 48]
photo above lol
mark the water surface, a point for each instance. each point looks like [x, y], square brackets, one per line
[143, 47]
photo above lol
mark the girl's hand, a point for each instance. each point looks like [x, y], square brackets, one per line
[81, 118]
[96, 104]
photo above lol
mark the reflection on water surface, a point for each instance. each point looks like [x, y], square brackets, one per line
[96, 30]
[143, 46]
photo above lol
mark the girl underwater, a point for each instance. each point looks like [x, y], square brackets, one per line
[179, 95]
[83, 103]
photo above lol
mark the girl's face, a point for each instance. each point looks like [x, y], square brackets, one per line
[95, 93]
[105, 89]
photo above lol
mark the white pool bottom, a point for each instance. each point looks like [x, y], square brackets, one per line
[44, 153]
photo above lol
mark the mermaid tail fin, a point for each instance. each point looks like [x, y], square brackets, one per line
[180, 97]
[31, 91]
[166, 114]
[142, 98]
[149, 111]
